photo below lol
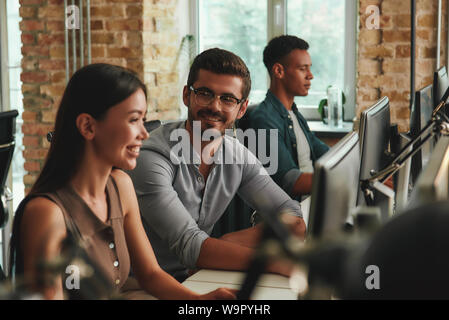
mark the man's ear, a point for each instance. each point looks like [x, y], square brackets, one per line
[86, 125]
[242, 109]
[186, 96]
[277, 70]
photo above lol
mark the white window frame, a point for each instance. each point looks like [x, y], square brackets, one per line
[277, 25]
[8, 69]
[4, 106]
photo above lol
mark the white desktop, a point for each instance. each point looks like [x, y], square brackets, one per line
[269, 287]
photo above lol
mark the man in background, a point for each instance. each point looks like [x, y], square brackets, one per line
[289, 66]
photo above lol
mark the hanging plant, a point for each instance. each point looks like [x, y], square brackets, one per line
[186, 50]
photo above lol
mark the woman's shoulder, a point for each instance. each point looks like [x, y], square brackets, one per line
[41, 213]
[125, 187]
[121, 178]
[42, 206]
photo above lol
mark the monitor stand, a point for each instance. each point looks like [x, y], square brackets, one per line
[403, 175]
[384, 199]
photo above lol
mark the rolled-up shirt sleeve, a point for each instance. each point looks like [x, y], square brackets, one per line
[163, 211]
[289, 179]
[262, 193]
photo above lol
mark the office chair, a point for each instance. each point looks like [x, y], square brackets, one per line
[152, 125]
[7, 144]
[243, 122]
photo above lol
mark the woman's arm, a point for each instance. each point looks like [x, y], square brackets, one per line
[144, 263]
[42, 231]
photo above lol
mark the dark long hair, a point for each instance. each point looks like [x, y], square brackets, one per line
[92, 89]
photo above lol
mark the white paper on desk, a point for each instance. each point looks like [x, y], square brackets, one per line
[259, 293]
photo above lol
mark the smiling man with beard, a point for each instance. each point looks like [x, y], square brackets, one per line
[182, 196]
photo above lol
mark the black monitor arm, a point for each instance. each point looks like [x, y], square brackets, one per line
[438, 125]
[325, 258]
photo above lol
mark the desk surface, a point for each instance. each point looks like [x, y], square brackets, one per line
[320, 126]
[269, 287]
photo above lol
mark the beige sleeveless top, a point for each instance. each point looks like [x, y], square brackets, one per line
[104, 242]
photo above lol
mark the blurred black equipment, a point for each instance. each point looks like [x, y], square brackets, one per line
[274, 243]
[410, 255]
[327, 259]
[404, 258]
[82, 279]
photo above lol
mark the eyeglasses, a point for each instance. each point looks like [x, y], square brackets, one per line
[205, 97]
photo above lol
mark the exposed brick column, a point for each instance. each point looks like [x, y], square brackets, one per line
[138, 34]
[160, 44]
[384, 54]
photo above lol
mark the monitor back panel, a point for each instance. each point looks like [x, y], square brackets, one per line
[374, 140]
[433, 183]
[421, 116]
[440, 85]
[334, 189]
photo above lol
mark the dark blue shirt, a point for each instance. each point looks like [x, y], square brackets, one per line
[271, 114]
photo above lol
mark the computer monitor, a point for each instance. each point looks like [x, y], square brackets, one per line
[374, 135]
[334, 188]
[440, 85]
[433, 183]
[420, 116]
[402, 177]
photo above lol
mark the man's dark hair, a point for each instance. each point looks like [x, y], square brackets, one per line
[280, 47]
[221, 62]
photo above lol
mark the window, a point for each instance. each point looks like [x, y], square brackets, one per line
[11, 98]
[244, 27]
[238, 26]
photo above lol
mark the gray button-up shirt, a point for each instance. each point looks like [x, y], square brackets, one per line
[179, 209]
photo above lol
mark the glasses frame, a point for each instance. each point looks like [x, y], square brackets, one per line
[195, 91]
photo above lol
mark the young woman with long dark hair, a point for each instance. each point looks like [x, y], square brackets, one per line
[81, 190]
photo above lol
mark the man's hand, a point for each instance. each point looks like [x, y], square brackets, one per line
[295, 224]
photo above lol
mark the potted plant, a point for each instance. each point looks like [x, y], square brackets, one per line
[322, 106]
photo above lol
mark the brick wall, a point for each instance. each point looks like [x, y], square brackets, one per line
[383, 67]
[142, 35]
[160, 46]
[138, 34]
